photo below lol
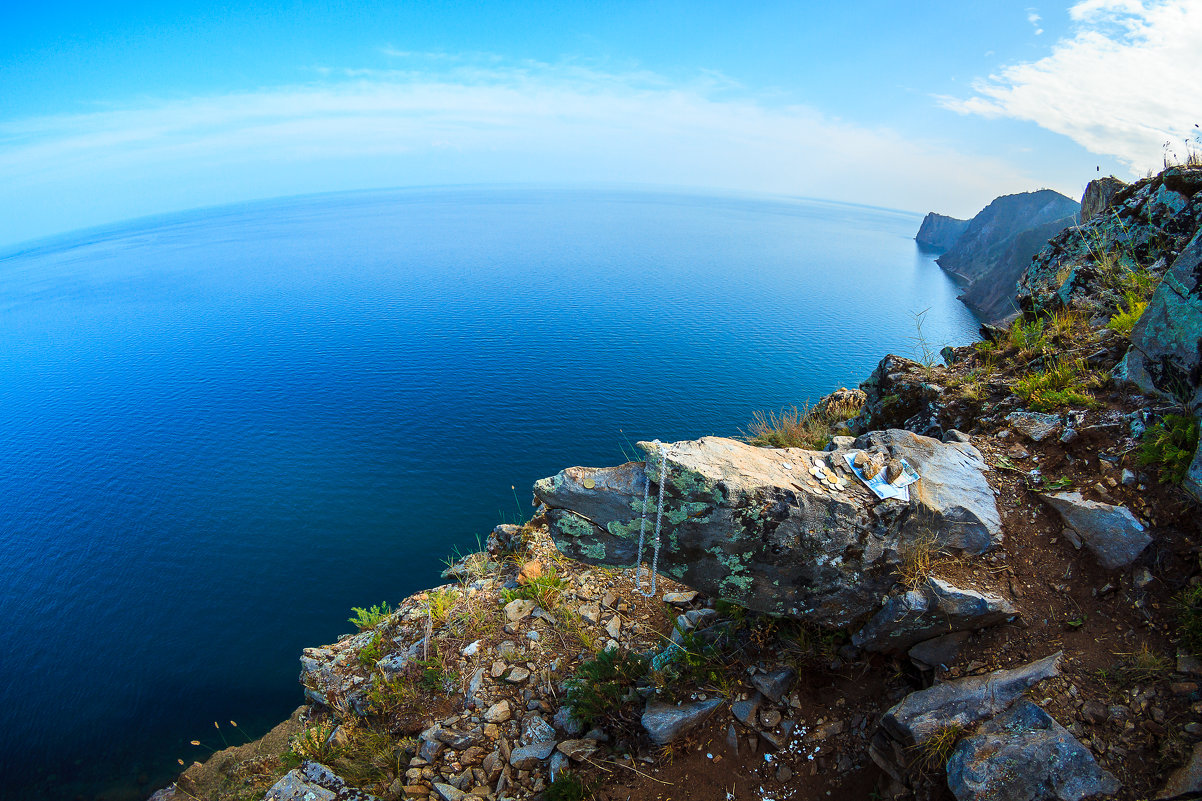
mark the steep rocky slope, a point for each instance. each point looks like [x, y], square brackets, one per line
[939, 232]
[997, 245]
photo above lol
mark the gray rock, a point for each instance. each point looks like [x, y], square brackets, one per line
[952, 435]
[932, 610]
[1036, 426]
[840, 443]
[558, 764]
[745, 711]
[518, 609]
[505, 538]
[165, 794]
[774, 684]
[564, 721]
[665, 722]
[536, 730]
[738, 525]
[940, 652]
[448, 792]
[527, 757]
[680, 598]
[1112, 533]
[313, 781]
[962, 702]
[1186, 781]
[517, 675]
[1025, 755]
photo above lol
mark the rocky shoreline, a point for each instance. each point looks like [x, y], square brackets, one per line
[1021, 624]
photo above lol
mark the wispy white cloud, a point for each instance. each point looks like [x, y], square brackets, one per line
[1034, 18]
[528, 122]
[1126, 81]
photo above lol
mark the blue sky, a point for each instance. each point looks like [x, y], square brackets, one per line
[116, 110]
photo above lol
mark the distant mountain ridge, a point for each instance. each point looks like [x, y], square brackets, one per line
[995, 247]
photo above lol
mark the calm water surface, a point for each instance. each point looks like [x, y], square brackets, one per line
[221, 430]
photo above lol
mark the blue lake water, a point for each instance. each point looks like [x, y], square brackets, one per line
[221, 430]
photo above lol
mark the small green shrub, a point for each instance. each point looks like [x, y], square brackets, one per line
[602, 683]
[1027, 335]
[1061, 383]
[365, 619]
[313, 744]
[439, 603]
[1170, 445]
[1125, 319]
[567, 787]
[1189, 618]
[389, 695]
[696, 662]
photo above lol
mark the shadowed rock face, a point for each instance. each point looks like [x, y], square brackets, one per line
[753, 525]
[940, 232]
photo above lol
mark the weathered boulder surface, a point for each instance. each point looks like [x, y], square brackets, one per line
[755, 526]
[1166, 344]
[1112, 533]
[665, 722]
[963, 702]
[1025, 755]
[313, 781]
[935, 609]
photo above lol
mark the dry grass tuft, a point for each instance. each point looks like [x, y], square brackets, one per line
[806, 427]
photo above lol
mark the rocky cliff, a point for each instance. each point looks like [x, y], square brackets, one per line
[939, 232]
[1024, 621]
[997, 245]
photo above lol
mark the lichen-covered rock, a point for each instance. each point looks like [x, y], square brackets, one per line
[756, 526]
[1112, 533]
[314, 782]
[935, 609]
[1036, 426]
[1166, 344]
[665, 722]
[1145, 226]
[899, 394]
[1025, 755]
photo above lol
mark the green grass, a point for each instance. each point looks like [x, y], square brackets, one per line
[1170, 446]
[567, 787]
[795, 427]
[1189, 618]
[1061, 383]
[1124, 319]
[1027, 336]
[365, 619]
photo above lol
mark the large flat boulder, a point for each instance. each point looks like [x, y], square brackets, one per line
[757, 527]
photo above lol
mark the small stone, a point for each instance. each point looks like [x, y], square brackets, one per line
[1036, 426]
[1129, 478]
[1188, 663]
[1094, 712]
[680, 598]
[578, 750]
[530, 571]
[498, 712]
[591, 613]
[527, 757]
[769, 718]
[536, 730]
[614, 627]
[518, 609]
[664, 722]
[745, 711]
[497, 669]
[448, 793]
[1018, 452]
[775, 683]
[1068, 436]
[517, 675]
[472, 649]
